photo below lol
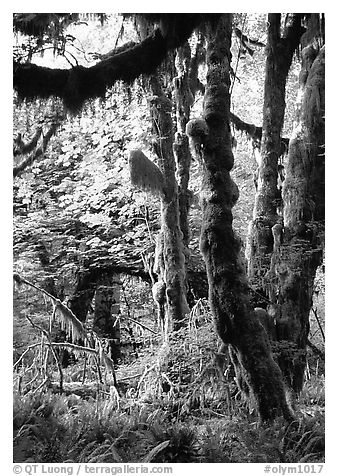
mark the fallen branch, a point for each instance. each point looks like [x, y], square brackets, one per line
[41, 385]
[77, 328]
[56, 358]
[61, 345]
[66, 315]
[32, 346]
[77, 348]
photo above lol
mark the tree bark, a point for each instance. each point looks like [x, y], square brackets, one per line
[280, 51]
[235, 320]
[284, 248]
[83, 295]
[184, 100]
[172, 273]
[107, 308]
[296, 259]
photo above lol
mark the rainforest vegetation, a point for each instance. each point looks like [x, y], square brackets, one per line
[168, 210]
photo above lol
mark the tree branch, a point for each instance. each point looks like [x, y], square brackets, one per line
[22, 148]
[56, 357]
[316, 350]
[76, 85]
[57, 303]
[255, 132]
[17, 169]
[247, 42]
[142, 325]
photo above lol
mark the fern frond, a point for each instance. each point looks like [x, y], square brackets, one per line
[155, 451]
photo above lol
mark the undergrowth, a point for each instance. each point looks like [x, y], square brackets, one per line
[177, 404]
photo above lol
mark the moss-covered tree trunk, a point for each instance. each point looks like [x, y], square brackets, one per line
[299, 251]
[83, 295]
[183, 101]
[106, 312]
[235, 320]
[172, 272]
[280, 50]
[282, 260]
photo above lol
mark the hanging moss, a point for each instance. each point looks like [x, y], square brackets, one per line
[235, 320]
[144, 173]
[75, 86]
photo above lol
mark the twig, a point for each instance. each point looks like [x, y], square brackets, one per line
[56, 344]
[130, 377]
[52, 318]
[56, 302]
[56, 357]
[208, 410]
[84, 370]
[24, 353]
[142, 325]
[79, 348]
[79, 328]
[41, 385]
[316, 350]
[238, 56]
[30, 382]
[318, 322]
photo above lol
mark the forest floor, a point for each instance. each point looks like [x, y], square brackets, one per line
[170, 405]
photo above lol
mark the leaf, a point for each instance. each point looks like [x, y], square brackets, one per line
[155, 451]
[94, 241]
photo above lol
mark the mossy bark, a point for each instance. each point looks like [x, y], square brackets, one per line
[107, 308]
[173, 272]
[234, 316]
[300, 253]
[280, 50]
[83, 295]
[284, 248]
[183, 100]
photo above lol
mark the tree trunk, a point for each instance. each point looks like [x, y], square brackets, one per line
[235, 320]
[173, 273]
[299, 253]
[83, 295]
[280, 51]
[283, 263]
[184, 100]
[107, 308]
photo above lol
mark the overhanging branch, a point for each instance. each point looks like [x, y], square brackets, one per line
[255, 133]
[76, 85]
